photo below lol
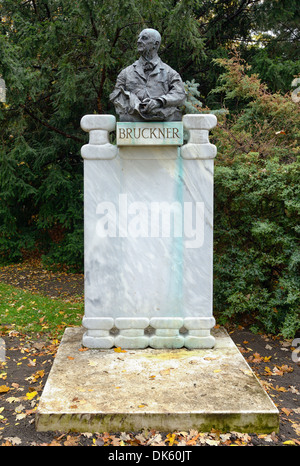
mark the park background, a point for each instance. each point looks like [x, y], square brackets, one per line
[239, 59]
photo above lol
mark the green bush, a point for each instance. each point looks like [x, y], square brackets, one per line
[257, 259]
[257, 203]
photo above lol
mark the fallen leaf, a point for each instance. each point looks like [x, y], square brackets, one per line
[54, 443]
[156, 440]
[6, 444]
[140, 438]
[125, 437]
[286, 411]
[12, 399]
[257, 357]
[92, 363]
[172, 439]
[225, 437]
[19, 408]
[285, 368]
[165, 371]
[71, 441]
[115, 441]
[4, 389]
[277, 371]
[31, 395]
[193, 440]
[39, 374]
[119, 350]
[213, 443]
[280, 389]
[269, 438]
[280, 132]
[289, 442]
[32, 362]
[13, 440]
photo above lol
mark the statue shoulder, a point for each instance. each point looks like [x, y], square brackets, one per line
[168, 69]
[129, 68]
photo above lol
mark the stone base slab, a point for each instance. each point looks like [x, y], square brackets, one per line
[92, 390]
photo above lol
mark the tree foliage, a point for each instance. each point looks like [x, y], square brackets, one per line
[60, 60]
[257, 261]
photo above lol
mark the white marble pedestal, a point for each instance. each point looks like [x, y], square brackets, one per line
[148, 226]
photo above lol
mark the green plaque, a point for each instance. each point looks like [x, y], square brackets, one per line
[150, 133]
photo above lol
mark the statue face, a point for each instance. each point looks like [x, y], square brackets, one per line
[147, 42]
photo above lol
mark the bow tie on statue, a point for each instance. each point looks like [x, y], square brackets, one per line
[148, 66]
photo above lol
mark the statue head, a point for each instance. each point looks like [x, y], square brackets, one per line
[148, 42]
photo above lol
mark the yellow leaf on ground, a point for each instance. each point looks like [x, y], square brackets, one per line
[4, 388]
[31, 395]
[280, 389]
[172, 439]
[119, 350]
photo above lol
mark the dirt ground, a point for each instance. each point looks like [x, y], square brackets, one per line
[28, 362]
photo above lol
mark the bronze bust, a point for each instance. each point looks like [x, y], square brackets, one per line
[148, 90]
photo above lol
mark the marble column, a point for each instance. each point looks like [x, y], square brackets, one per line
[148, 234]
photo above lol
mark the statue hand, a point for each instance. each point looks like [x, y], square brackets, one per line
[151, 104]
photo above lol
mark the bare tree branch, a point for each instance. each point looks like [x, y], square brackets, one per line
[52, 128]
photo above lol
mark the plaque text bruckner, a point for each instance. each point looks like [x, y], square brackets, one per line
[154, 133]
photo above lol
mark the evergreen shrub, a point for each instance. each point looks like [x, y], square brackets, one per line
[257, 202]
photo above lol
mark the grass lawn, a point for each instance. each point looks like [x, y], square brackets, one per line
[33, 313]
